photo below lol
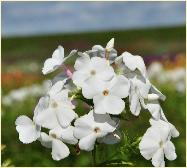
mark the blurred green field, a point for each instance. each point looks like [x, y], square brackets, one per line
[145, 42]
[142, 42]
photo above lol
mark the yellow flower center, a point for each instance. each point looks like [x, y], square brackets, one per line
[97, 129]
[92, 72]
[54, 104]
[53, 136]
[105, 92]
[161, 144]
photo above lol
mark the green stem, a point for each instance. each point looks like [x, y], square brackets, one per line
[94, 156]
[116, 162]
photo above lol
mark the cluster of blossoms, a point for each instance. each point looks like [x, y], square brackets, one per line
[104, 81]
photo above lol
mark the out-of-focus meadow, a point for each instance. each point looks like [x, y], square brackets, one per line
[22, 82]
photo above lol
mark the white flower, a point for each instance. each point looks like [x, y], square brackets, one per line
[152, 102]
[51, 64]
[138, 92]
[56, 139]
[154, 90]
[108, 52]
[173, 131]
[59, 108]
[113, 137]
[94, 68]
[27, 129]
[107, 96]
[156, 143]
[134, 69]
[68, 84]
[92, 126]
[132, 62]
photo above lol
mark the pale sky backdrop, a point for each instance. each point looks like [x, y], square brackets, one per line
[28, 18]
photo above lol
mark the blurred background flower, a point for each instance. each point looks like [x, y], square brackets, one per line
[31, 31]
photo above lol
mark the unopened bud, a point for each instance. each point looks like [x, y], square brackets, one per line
[77, 149]
[117, 136]
[152, 97]
[69, 73]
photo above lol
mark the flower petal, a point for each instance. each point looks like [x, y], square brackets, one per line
[82, 131]
[135, 106]
[67, 135]
[23, 120]
[79, 77]
[87, 143]
[99, 104]
[59, 150]
[153, 89]
[58, 53]
[162, 128]
[98, 48]
[92, 88]
[53, 63]
[65, 116]
[113, 104]
[28, 131]
[50, 65]
[158, 158]
[142, 85]
[106, 74]
[149, 143]
[174, 131]
[82, 62]
[163, 117]
[121, 86]
[47, 119]
[83, 125]
[57, 87]
[42, 105]
[103, 70]
[45, 140]
[133, 62]
[169, 151]
[154, 108]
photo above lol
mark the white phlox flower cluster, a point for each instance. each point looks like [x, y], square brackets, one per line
[105, 82]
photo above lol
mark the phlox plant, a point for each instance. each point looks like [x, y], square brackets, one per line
[108, 83]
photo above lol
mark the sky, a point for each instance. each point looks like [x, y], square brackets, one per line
[32, 18]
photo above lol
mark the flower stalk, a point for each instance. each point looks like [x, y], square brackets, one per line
[94, 156]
